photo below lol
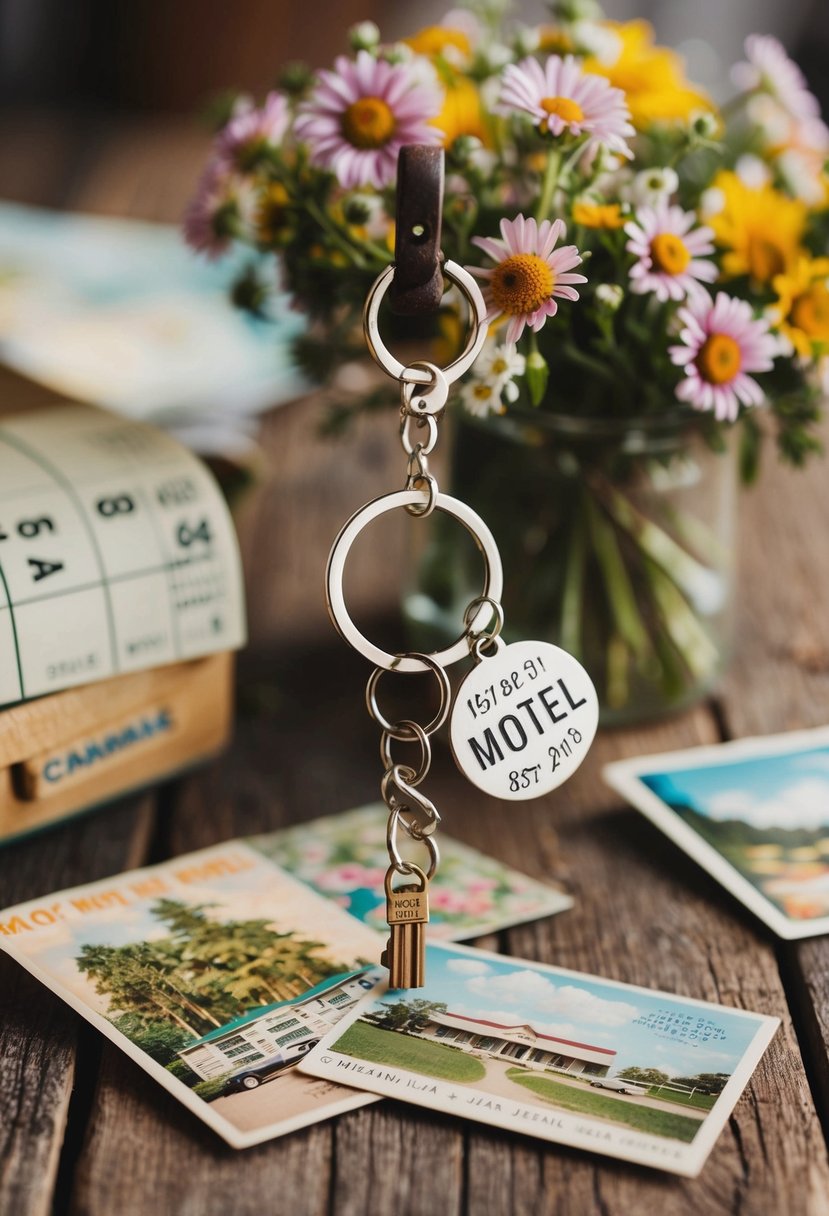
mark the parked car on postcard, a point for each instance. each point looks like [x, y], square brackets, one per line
[620, 1086]
[252, 1076]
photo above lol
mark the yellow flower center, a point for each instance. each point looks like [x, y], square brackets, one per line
[810, 312]
[499, 366]
[562, 107]
[522, 283]
[482, 391]
[368, 123]
[670, 253]
[765, 257]
[719, 360]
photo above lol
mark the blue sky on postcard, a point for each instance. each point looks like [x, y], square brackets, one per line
[786, 790]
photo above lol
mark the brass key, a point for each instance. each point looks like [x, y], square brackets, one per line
[407, 912]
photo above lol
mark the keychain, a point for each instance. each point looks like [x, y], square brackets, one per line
[524, 717]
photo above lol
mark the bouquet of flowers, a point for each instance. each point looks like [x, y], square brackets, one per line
[646, 256]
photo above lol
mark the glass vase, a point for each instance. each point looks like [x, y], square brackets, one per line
[617, 539]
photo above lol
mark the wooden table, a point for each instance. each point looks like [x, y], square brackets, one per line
[83, 1130]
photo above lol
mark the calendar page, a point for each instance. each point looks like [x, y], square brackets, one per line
[117, 552]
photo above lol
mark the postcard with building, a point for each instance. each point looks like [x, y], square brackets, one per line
[753, 813]
[216, 972]
[626, 1071]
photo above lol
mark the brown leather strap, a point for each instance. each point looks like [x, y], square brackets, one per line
[417, 286]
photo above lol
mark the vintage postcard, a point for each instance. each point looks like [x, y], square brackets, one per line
[344, 858]
[216, 972]
[754, 814]
[625, 1071]
[120, 313]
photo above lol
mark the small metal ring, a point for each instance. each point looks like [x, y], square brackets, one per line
[439, 718]
[431, 484]
[498, 612]
[416, 734]
[411, 374]
[402, 866]
[405, 438]
[480, 647]
[475, 526]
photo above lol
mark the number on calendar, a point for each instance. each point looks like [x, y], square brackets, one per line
[115, 504]
[187, 535]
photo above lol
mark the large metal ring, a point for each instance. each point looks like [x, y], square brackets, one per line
[414, 373]
[443, 708]
[493, 578]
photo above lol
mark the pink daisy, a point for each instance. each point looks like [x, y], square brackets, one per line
[560, 97]
[253, 132]
[671, 256]
[769, 69]
[529, 275]
[219, 211]
[721, 341]
[360, 116]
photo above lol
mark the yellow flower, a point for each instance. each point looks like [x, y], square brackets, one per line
[462, 113]
[271, 215]
[651, 77]
[598, 215]
[434, 40]
[759, 227]
[802, 308]
[449, 341]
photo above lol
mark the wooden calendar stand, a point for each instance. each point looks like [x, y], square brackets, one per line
[72, 750]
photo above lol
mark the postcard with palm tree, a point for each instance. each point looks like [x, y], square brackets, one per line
[754, 814]
[629, 1072]
[216, 972]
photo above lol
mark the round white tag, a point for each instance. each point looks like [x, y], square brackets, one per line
[523, 720]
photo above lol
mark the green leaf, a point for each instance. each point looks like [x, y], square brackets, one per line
[537, 375]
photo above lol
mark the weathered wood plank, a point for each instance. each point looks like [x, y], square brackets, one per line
[38, 1033]
[780, 680]
[144, 1153]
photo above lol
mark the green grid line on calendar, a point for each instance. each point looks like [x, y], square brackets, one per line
[117, 552]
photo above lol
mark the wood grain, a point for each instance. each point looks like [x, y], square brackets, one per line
[39, 1035]
[780, 680]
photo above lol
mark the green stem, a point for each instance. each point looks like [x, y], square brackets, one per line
[343, 242]
[548, 189]
[572, 598]
[701, 586]
[620, 594]
[574, 156]
[681, 623]
[617, 668]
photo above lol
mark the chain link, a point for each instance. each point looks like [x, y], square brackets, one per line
[410, 811]
[398, 862]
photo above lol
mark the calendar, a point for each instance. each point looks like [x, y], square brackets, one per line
[117, 552]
